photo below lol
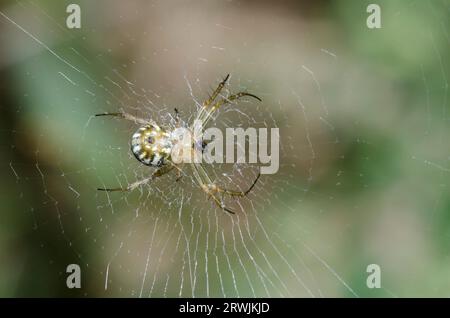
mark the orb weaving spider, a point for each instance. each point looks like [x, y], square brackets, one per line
[152, 146]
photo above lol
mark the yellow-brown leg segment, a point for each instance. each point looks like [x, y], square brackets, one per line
[211, 189]
[177, 118]
[127, 117]
[217, 201]
[205, 183]
[214, 95]
[205, 118]
[179, 176]
[158, 173]
[235, 193]
[211, 99]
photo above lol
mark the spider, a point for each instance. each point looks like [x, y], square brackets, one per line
[152, 146]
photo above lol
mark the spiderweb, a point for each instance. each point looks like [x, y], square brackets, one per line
[166, 239]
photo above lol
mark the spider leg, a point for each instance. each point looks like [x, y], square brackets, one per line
[235, 193]
[205, 144]
[127, 117]
[211, 188]
[179, 176]
[177, 118]
[208, 186]
[157, 173]
[205, 118]
[214, 95]
[219, 203]
[216, 92]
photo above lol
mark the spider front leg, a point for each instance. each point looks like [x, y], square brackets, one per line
[206, 116]
[214, 95]
[207, 189]
[211, 189]
[205, 183]
[217, 91]
[158, 173]
[179, 176]
[235, 193]
[177, 118]
[126, 116]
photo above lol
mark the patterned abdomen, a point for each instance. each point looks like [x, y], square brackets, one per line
[151, 145]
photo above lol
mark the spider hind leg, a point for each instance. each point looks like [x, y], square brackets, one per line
[157, 173]
[125, 116]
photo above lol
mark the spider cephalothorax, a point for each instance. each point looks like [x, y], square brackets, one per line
[153, 146]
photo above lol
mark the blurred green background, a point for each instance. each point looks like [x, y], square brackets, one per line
[365, 164]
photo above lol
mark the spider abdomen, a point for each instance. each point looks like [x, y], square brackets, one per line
[151, 145]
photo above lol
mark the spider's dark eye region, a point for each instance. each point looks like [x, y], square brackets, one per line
[151, 145]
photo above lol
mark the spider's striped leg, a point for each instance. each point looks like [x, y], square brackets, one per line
[206, 185]
[127, 117]
[179, 176]
[211, 189]
[214, 95]
[217, 91]
[158, 173]
[179, 171]
[235, 193]
[220, 204]
[206, 116]
[177, 118]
